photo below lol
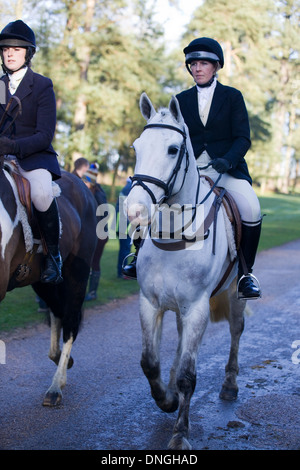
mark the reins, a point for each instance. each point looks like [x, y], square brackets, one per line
[19, 111]
[4, 115]
[140, 179]
[214, 185]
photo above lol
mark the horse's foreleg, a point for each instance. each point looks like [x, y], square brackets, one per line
[173, 372]
[55, 352]
[151, 323]
[229, 389]
[54, 394]
[193, 327]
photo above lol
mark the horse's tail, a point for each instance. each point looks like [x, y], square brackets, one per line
[219, 307]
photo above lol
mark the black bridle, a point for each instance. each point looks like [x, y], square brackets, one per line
[140, 180]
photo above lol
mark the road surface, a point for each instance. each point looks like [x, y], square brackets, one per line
[107, 403]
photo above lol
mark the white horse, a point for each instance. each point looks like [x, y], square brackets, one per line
[179, 275]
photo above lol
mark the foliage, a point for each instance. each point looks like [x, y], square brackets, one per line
[101, 55]
[261, 49]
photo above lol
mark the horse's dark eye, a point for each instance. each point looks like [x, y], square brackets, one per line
[172, 150]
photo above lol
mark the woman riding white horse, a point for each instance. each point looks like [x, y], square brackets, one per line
[175, 274]
[218, 125]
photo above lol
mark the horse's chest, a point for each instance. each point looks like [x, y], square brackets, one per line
[170, 281]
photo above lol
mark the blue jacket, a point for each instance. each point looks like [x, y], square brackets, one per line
[34, 129]
[227, 131]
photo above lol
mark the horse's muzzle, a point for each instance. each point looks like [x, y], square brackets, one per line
[138, 214]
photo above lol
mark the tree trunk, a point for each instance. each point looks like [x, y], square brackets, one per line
[83, 53]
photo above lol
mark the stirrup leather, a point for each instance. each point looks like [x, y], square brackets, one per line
[256, 282]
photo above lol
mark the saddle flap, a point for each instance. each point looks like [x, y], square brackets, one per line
[23, 187]
[231, 209]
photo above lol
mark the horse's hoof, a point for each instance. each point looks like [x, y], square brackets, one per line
[52, 399]
[179, 442]
[229, 394]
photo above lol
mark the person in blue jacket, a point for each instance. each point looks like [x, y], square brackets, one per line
[29, 138]
[219, 129]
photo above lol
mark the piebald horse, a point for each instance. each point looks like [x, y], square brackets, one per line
[20, 261]
[179, 273]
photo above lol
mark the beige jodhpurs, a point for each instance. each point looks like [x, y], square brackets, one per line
[241, 190]
[41, 188]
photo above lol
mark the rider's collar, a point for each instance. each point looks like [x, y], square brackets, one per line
[15, 79]
[209, 83]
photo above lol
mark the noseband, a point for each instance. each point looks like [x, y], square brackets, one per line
[140, 180]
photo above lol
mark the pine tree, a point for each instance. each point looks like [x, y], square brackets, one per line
[255, 37]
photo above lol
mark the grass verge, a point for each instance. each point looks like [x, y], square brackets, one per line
[281, 225]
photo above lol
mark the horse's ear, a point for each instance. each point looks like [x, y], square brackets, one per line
[146, 107]
[175, 110]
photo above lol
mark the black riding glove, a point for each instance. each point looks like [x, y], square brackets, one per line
[8, 146]
[221, 165]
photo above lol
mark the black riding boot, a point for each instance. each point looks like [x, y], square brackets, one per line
[48, 222]
[129, 271]
[249, 243]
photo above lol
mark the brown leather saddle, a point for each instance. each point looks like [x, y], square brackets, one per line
[234, 217]
[222, 197]
[23, 187]
[231, 209]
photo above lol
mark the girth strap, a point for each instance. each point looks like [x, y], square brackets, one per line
[204, 229]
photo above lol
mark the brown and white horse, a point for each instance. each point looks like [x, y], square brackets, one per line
[20, 264]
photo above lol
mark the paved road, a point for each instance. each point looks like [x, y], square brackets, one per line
[107, 404]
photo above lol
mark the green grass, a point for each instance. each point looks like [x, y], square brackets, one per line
[282, 221]
[19, 308]
[281, 225]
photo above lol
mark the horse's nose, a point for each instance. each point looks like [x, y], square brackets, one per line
[138, 214]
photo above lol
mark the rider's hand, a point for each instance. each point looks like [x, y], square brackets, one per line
[8, 146]
[221, 165]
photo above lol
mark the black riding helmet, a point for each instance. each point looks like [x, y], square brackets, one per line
[18, 34]
[203, 49]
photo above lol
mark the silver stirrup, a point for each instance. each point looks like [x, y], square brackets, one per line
[128, 256]
[239, 296]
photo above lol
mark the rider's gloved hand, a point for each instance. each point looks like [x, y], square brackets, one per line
[8, 146]
[221, 165]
